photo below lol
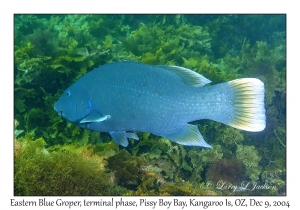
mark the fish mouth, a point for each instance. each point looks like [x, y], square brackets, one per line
[57, 109]
[62, 114]
[59, 112]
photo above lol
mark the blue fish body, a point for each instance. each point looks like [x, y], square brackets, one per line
[123, 97]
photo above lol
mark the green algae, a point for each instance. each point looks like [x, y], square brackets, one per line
[56, 171]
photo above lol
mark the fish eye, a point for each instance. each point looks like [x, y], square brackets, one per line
[68, 93]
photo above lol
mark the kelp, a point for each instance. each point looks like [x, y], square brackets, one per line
[52, 51]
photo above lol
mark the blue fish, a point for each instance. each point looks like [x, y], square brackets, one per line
[123, 97]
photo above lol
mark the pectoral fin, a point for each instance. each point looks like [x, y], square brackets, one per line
[94, 117]
[120, 137]
[189, 135]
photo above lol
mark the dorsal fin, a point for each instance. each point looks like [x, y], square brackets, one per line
[188, 76]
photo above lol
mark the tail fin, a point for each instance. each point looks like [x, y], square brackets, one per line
[248, 102]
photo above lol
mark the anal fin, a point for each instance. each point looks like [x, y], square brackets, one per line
[189, 135]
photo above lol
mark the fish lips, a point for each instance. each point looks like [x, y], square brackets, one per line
[57, 109]
[59, 112]
[63, 115]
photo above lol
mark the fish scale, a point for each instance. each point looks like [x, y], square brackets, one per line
[123, 97]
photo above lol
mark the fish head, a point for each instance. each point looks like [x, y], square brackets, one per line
[73, 105]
